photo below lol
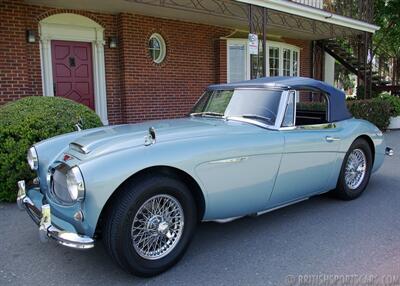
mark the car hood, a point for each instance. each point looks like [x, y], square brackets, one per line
[113, 138]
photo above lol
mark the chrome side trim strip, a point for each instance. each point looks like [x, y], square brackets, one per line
[230, 160]
[282, 206]
[229, 219]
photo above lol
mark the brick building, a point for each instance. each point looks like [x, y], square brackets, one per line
[133, 60]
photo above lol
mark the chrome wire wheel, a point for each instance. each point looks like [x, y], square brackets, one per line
[157, 227]
[356, 168]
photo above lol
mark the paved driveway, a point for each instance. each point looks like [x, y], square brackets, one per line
[318, 236]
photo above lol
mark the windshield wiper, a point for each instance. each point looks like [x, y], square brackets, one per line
[207, 113]
[256, 116]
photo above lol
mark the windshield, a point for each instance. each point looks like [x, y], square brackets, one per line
[257, 104]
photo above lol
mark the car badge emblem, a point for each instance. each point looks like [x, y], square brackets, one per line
[67, 157]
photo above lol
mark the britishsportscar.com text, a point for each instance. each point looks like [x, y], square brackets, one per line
[343, 280]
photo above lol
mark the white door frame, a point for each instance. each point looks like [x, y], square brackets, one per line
[73, 27]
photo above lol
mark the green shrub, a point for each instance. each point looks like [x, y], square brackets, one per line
[394, 101]
[30, 120]
[377, 110]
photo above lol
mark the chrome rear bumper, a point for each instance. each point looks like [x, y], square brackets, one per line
[42, 217]
[389, 151]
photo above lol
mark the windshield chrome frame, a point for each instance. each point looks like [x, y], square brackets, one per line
[279, 117]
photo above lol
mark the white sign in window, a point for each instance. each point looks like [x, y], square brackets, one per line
[238, 61]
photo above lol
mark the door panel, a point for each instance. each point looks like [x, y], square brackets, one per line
[307, 163]
[72, 71]
[240, 178]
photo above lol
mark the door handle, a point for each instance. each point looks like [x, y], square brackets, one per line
[332, 139]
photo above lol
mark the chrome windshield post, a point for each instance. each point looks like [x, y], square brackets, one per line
[281, 109]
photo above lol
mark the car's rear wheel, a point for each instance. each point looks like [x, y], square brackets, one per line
[150, 224]
[355, 171]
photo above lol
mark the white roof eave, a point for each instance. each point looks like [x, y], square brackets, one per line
[313, 13]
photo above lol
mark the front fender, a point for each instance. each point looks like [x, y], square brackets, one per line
[50, 149]
[104, 174]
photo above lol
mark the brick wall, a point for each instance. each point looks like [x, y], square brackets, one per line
[137, 88]
[169, 89]
[14, 76]
[221, 61]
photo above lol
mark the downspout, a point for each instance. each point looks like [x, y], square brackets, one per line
[264, 45]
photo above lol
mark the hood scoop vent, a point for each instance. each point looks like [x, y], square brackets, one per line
[78, 148]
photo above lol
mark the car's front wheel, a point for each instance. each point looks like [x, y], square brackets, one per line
[150, 224]
[356, 171]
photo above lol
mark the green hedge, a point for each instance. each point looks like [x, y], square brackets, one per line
[30, 120]
[377, 110]
[394, 102]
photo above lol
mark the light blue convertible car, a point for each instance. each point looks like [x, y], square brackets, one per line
[245, 148]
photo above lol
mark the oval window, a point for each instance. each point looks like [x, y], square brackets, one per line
[157, 48]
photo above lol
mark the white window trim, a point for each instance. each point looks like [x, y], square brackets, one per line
[269, 44]
[73, 27]
[163, 48]
[282, 46]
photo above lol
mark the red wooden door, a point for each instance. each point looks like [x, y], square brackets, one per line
[73, 71]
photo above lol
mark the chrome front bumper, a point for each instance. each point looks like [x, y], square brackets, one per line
[42, 217]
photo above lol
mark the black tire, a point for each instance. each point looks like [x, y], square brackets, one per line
[343, 191]
[121, 213]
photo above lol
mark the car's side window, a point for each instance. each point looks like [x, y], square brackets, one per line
[311, 108]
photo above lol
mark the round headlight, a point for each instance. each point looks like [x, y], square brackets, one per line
[75, 184]
[32, 158]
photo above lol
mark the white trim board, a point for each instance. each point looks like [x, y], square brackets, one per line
[73, 27]
[313, 13]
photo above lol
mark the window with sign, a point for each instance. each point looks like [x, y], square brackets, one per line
[238, 61]
[282, 60]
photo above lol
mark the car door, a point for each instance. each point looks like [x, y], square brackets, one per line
[239, 166]
[240, 176]
[309, 157]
